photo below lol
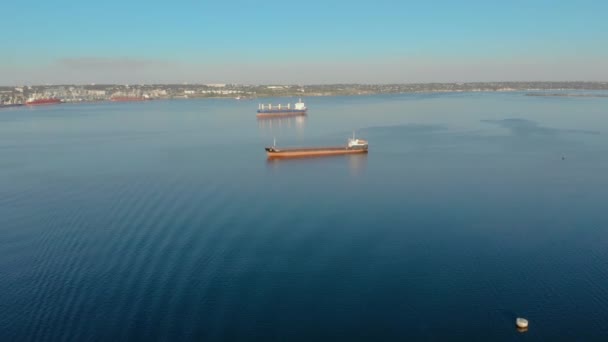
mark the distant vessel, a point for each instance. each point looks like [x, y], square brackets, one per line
[40, 102]
[128, 98]
[353, 146]
[271, 111]
[7, 105]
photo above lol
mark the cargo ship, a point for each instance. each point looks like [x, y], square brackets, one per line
[40, 102]
[270, 111]
[353, 146]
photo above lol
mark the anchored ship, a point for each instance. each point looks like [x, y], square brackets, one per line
[273, 111]
[39, 102]
[354, 145]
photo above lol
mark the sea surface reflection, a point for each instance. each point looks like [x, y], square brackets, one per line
[164, 220]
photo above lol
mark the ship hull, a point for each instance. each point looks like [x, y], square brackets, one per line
[279, 113]
[273, 152]
[43, 102]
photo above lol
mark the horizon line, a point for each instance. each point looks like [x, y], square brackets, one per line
[290, 84]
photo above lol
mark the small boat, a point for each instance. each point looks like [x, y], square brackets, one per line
[8, 105]
[353, 146]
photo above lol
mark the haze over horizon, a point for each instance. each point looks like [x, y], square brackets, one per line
[69, 42]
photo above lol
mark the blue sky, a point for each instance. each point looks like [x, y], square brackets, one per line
[302, 42]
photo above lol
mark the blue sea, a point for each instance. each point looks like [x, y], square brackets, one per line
[164, 221]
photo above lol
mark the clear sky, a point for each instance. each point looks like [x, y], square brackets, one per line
[305, 42]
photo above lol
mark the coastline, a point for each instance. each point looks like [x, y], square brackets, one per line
[103, 93]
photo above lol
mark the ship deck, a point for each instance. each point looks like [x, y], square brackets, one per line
[306, 149]
[275, 152]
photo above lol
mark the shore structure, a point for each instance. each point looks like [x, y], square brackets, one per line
[129, 98]
[275, 111]
[353, 146]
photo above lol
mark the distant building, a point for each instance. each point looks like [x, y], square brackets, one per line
[96, 92]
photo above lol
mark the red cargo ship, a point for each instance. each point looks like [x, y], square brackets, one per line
[39, 102]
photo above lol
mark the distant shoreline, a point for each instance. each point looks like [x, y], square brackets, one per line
[171, 98]
[104, 92]
[565, 95]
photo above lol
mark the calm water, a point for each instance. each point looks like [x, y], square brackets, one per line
[165, 221]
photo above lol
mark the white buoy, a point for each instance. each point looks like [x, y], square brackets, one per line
[522, 323]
